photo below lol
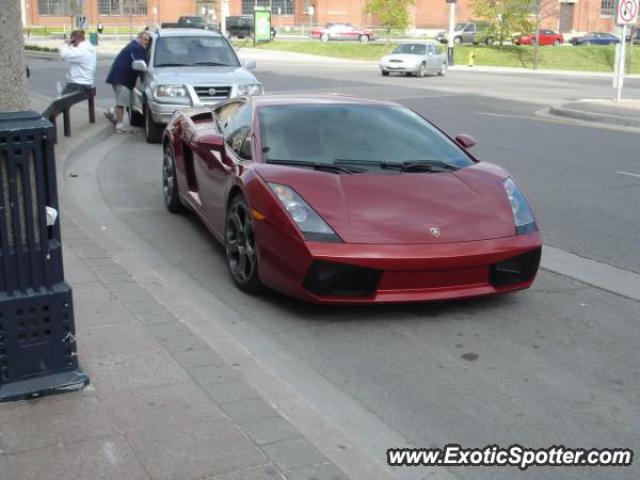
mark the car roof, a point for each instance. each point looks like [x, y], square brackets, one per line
[316, 99]
[184, 32]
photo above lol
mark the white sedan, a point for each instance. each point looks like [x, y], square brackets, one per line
[415, 59]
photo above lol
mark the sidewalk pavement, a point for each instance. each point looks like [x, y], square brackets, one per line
[625, 113]
[162, 404]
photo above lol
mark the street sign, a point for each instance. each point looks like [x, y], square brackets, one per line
[627, 12]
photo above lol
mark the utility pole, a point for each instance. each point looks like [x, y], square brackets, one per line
[12, 70]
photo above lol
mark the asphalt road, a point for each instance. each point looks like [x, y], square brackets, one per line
[557, 364]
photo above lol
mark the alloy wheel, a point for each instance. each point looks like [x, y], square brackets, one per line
[240, 243]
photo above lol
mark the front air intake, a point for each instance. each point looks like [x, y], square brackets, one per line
[515, 269]
[337, 279]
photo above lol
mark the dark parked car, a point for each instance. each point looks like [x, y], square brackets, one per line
[635, 36]
[242, 26]
[195, 22]
[596, 38]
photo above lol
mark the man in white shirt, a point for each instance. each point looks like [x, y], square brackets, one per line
[82, 57]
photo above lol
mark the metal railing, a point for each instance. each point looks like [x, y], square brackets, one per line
[63, 106]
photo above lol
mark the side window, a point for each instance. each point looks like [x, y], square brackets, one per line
[224, 115]
[237, 131]
[431, 50]
[469, 28]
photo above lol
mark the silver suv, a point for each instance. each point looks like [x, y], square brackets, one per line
[186, 68]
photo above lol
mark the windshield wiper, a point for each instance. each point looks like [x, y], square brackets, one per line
[429, 165]
[212, 64]
[407, 166]
[328, 167]
[171, 65]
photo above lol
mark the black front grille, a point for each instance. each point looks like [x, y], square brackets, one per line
[212, 92]
[515, 269]
[337, 279]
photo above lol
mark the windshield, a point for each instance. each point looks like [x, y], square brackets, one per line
[411, 48]
[328, 133]
[196, 50]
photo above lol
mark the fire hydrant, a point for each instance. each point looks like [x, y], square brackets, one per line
[472, 58]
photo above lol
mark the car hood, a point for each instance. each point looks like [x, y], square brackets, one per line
[205, 75]
[470, 204]
[405, 57]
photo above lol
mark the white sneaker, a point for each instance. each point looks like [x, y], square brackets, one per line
[122, 128]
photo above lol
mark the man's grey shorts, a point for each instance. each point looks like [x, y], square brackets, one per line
[123, 96]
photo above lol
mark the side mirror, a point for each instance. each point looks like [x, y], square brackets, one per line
[139, 65]
[249, 64]
[465, 141]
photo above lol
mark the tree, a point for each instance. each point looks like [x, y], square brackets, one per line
[12, 72]
[505, 17]
[393, 14]
[541, 10]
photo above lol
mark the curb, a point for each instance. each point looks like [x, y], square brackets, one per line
[595, 117]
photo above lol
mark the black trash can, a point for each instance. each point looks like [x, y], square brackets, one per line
[37, 331]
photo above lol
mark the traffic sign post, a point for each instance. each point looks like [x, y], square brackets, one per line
[626, 14]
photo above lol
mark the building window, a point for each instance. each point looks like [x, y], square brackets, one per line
[52, 7]
[286, 6]
[607, 8]
[124, 8]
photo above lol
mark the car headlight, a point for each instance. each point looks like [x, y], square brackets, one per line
[172, 93]
[522, 214]
[310, 223]
[250, 89]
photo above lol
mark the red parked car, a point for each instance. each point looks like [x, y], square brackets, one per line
[547, 37]
[342, 200]
[343, 31]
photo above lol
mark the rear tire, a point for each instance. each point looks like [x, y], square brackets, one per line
[489, 41]
[240, 246]
[153, 131]
[443, 70]
[422, 71]
[556, 43]
[364, 38]
[170, 182]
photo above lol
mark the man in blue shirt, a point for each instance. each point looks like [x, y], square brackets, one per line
[123, 78]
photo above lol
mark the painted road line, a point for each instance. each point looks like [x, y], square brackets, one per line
[629, 174]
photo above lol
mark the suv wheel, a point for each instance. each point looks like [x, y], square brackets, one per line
[153, 131]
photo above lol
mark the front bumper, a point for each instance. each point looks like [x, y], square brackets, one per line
[399, 67]
[376, 273]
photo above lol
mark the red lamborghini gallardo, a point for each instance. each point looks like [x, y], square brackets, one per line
[342, 200]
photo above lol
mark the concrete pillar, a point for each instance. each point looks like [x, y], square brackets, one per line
[12, 71]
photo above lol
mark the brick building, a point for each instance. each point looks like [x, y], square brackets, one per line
[571, 15]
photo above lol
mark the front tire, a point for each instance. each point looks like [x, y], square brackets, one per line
[384, 73]
[457, 40]
[489, 41]
[422, 71]
[170, 182]
[325, 37]
[153, 131]
[443, 70]
[364, 38]
[240, 246]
